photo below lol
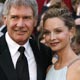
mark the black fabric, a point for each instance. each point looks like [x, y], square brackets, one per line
[4, 30]
[22, 66]
[42, 56]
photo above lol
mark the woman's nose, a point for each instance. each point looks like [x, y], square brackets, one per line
[52, 36]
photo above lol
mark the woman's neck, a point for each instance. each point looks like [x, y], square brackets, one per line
[65, 57]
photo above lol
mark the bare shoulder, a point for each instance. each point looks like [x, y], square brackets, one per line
[74, 71]
[76, 65]
[77, 71]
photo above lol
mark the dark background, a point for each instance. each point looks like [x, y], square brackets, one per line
[2, 1]
[40, 4]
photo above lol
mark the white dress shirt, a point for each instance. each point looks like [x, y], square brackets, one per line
[13, 47]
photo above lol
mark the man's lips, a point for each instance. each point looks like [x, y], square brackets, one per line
[20, 31]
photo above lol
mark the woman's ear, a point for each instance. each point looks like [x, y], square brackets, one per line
[72, 32]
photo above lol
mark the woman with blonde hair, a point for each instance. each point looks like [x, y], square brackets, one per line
[59, 30]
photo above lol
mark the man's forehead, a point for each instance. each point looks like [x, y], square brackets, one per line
[21, 8]
[27, 11]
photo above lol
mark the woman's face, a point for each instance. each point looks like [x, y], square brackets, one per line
[57, 34]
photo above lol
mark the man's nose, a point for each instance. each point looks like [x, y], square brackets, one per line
[20, 23]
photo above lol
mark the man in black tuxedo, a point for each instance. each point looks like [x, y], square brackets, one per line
[20, 16]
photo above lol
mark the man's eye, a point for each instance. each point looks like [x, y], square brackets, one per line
[27, 17]
[14, 17]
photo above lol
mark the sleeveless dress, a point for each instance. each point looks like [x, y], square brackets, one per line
[60, 74]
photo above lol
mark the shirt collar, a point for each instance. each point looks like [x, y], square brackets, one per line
[13, 46]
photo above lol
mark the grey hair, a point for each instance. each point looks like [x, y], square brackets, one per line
[9, 3]
[1, 10]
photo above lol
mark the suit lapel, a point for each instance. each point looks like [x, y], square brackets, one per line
[36, 53]
[6, 61]
[4, 29]
[7, 64]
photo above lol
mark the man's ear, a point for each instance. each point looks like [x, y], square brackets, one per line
[35, 22]
[5, 20]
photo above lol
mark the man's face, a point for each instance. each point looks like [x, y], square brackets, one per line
[20, 23]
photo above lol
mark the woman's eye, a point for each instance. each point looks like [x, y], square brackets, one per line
[46, 32]
[58, 31]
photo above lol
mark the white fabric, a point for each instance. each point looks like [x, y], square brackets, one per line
[1, 27]
[13, 47]
[56, 74]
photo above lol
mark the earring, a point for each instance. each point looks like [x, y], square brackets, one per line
[70, 39]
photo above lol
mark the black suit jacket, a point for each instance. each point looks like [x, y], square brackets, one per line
[7, 71]
[4, 30]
